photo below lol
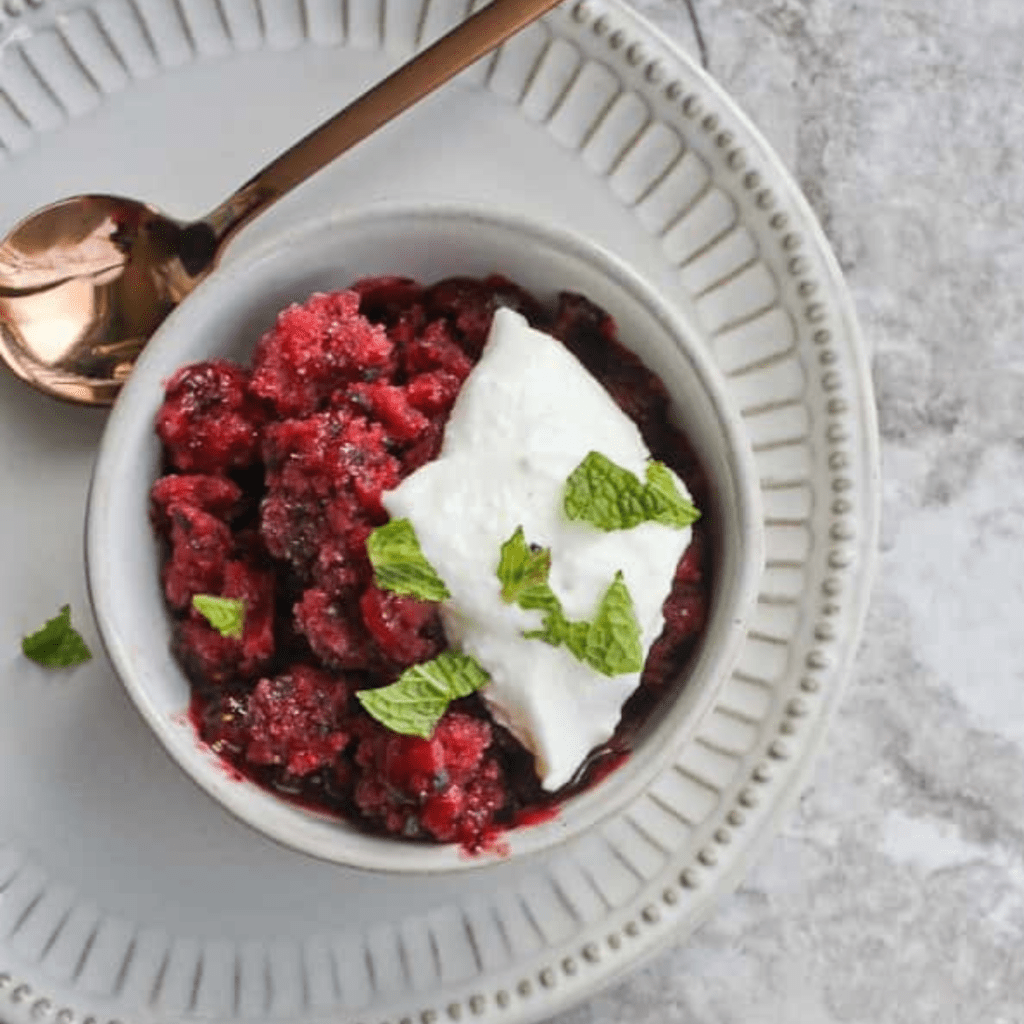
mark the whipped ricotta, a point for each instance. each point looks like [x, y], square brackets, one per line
[525, 418]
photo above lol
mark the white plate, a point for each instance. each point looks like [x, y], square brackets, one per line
[126, 894]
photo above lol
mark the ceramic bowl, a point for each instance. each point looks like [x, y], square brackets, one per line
[224, 318]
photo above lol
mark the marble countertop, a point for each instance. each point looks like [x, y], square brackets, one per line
[894, 894]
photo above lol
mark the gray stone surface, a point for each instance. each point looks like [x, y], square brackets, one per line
[894, 894]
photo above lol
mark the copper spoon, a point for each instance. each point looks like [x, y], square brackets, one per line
[85, 283]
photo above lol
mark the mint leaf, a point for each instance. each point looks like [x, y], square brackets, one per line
[610, 644]
[523, 572]
[400, 566]
[57, 644]
[603, 494]
[610, 497]
[413, 704]
[662, 497]
[225, 614]
[613, 638]
[558, 630]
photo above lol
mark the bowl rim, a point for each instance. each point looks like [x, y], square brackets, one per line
[247, 801]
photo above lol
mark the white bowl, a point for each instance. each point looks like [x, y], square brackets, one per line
[229, 312]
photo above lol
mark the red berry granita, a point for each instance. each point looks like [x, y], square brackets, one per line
[272, 485]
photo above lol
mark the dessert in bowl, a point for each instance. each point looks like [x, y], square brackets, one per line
[477, 610]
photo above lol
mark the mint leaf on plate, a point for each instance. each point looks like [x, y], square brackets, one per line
[414, 703]
[57, 644]
[225, 614]
[604, 494]
[399, 564]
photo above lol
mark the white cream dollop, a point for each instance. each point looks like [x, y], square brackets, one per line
[525, 418]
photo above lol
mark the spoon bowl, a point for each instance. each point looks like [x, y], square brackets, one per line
[84, 283]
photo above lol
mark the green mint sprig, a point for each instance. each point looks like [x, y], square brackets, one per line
[399, 564]
[415, 702]
[57, 644]
[225, 614]
[523, 571]
[609, 644]
[604, 494]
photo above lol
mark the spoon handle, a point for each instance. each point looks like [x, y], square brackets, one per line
[440, 62]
